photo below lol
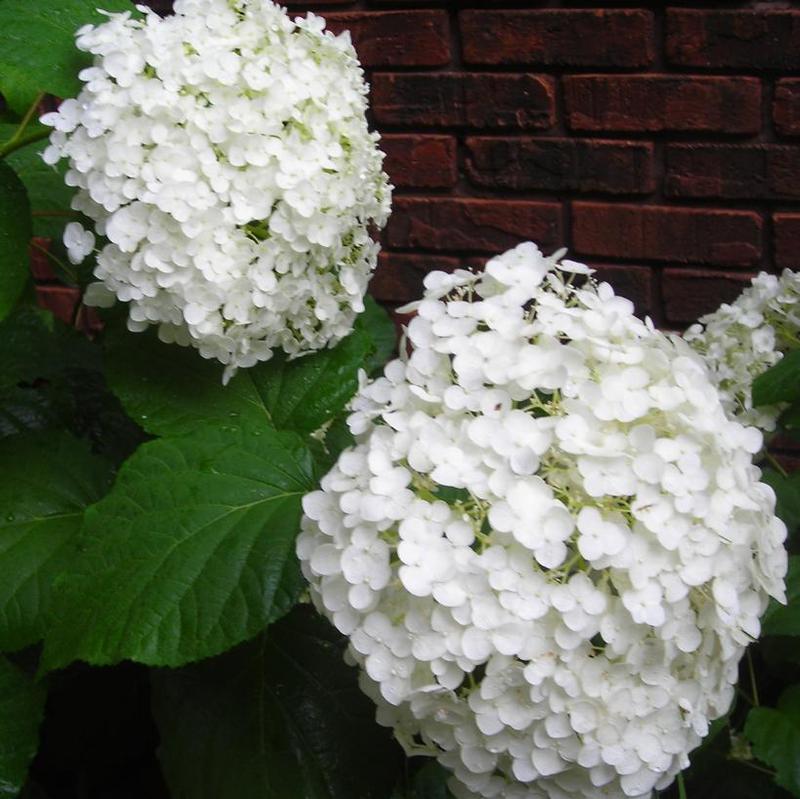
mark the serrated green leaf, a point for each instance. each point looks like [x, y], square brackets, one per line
[280, 717]
[15, 233]
[785, 619]
[302, 395]
[775, 736]
[787, 493]
[171, 390]
[21, 711]
[190, 553]
[780, 383]
[378, 325]
[47, 191]
[38, 51]
[48, 481]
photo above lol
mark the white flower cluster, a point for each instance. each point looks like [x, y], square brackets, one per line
[742, 340]
[223, 153]
[549, 546]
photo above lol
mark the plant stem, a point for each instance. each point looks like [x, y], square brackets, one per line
[681, 786]
[57, 261]
[775, 463]
[745, 695]
[19, 140]
[753, 686]
[750, 764]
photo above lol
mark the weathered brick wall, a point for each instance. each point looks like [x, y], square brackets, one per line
[661, 144]
[658, 143]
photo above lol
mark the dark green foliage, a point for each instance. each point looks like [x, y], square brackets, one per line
[280, 716]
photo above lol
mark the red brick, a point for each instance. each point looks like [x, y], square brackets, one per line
[490, 226]
[689, 294]
[399, 276]
[559, 37]
[663, 103]
[632, 282]
[786, 107]
[757, 171]
[420, 161]
[475, 100]
[662, 233]
[59, 300]
[789, 463]
[556, 164]
[784, 442]
[745, 38]
[41, 266]
[396, 38]
[787, 240]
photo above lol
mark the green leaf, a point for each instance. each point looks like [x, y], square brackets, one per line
[281, 717]
[39, 53]
[780, 383]
[16, 90]
[428, 782]
[775, 736]
[48, 481]
[34, 346]
[787, 493]
[47, 192]
[21, 711]
[715, 774]
[190, 553]
[785, 619]
[302, 395]
[790, 419]
[171, 390]
[15, 233]
[378, 325]
[25, 409]
[25, 338]
[50, 378]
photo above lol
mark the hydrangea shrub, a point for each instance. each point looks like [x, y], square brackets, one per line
[544, 545]
[741, 340]
[224, 157]
[549, 547]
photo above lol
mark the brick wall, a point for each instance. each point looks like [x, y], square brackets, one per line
[659, 144]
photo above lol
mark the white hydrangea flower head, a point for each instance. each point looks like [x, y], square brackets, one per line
[549, 546]
[742, 340]
[224, 157]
